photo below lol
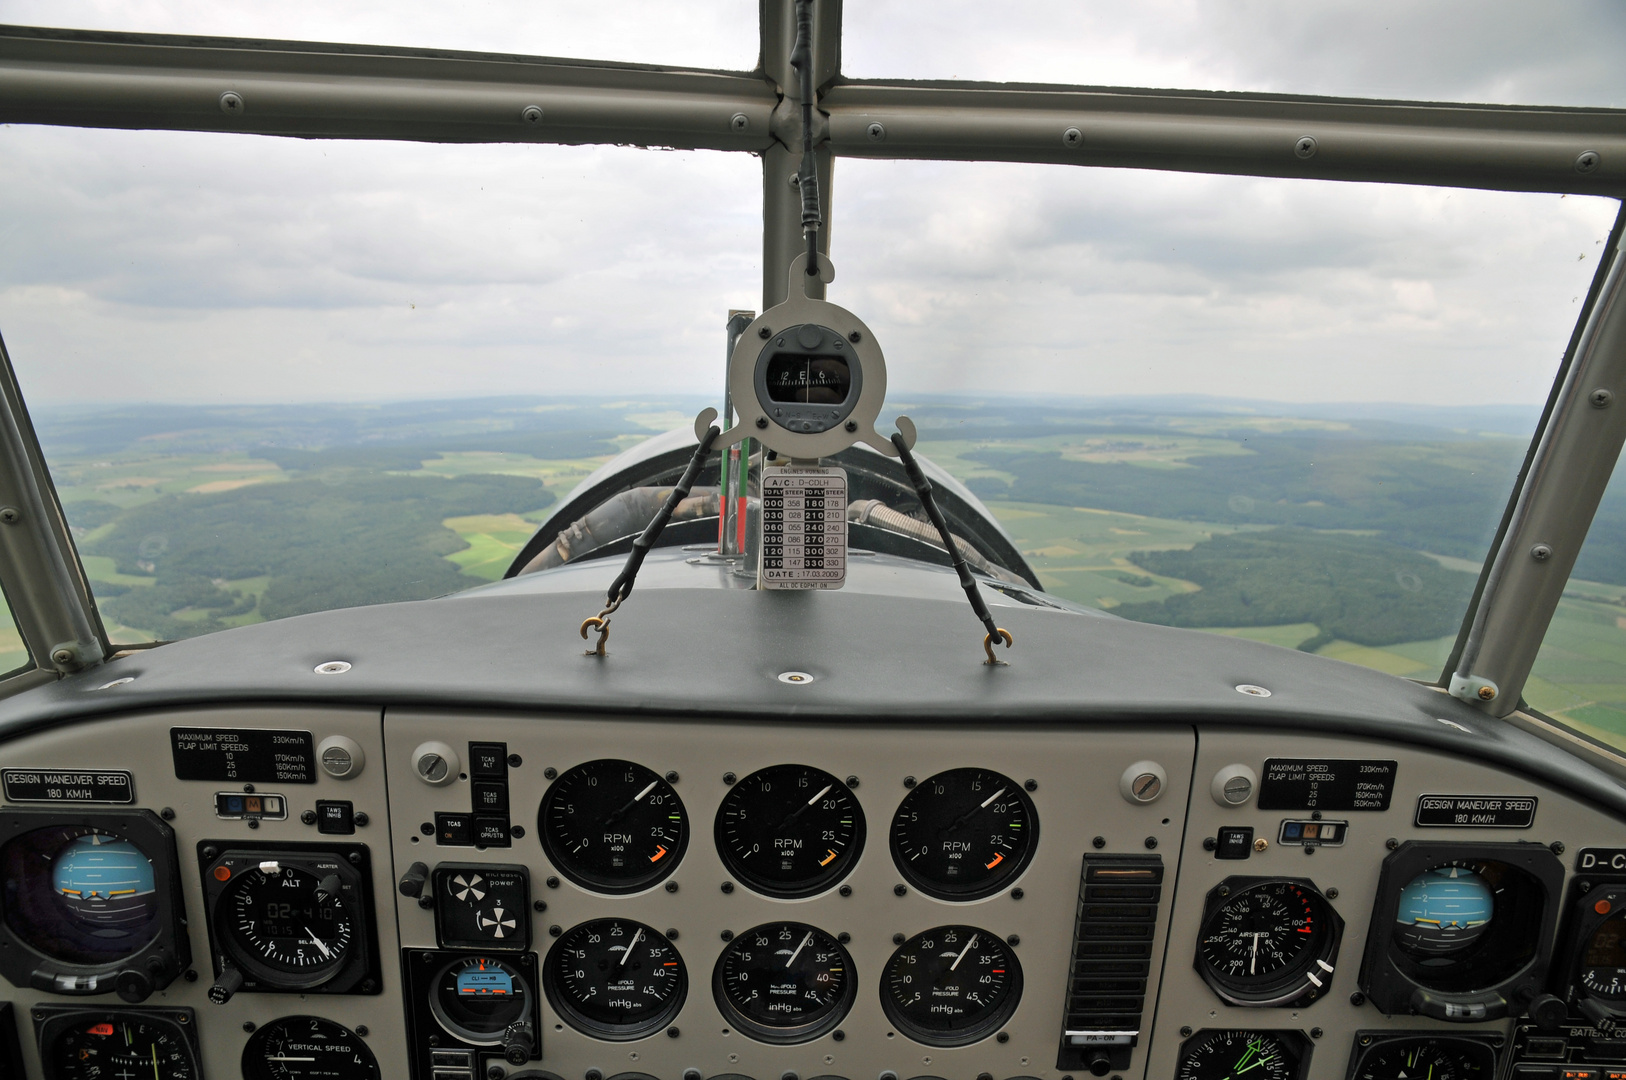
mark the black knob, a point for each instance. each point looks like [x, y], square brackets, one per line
[133, 986]
[411, 883]
[1548, 1012]
[230, 981]
[1100, 1065]
[1600, 1016]
[518, 1041]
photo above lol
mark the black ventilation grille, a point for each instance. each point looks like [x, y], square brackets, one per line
[1112, 960]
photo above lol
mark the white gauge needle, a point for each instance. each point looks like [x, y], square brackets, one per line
[820, 795]
[282, 1057]
[800, 947]
[646, 790]
[963, 951]
[636, 936]
[1253, 957]
[318, 943]
[992, 797]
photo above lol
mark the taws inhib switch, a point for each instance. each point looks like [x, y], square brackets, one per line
[1235, 842]
[337, 817]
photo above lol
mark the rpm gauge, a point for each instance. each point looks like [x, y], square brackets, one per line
[1224, 1055]
[784, 982]
[615, 979]
[951, 986]
[613, 826]
[790, 830]
[964, 834]
[1424, 1058]
[105, 1045]
[1267, 942]
[307, 1048]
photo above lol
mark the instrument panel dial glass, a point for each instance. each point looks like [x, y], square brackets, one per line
[964, 834]
[1603, 959]
[615, 979]
[951, 986]
[613, 826]
[97, 1046]
[784, 982]
[790, 831]
[1268, 943]
[285, 924]
[307, 1048]
[1426, 1058]
[81, 895]
[475, 998]
[1223, 1055]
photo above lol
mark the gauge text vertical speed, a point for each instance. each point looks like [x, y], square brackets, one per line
[964, 834]
[613, 826]
[790, 830]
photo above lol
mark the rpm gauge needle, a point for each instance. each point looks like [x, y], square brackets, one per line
[800, 810]
[618, 814]
[969, 814]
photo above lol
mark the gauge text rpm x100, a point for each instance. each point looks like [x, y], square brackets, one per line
[964, 834]
[790, 830]
[613, 826]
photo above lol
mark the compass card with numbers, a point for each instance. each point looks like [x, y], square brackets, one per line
[484, 906]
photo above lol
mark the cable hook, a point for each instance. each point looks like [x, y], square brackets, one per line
[987, 644]
[601, 623]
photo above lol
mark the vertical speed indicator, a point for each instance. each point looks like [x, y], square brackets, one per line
[613, 826]
[964, 834]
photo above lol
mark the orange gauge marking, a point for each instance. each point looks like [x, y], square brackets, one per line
[659, 851]
[100, 1029]
[997, 860]
[826, 861]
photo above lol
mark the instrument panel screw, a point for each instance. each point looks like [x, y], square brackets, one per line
[248, 1025]
[1600, 398]
[728, 886]
[762, 421]
[1003, 1037]
[908, 781]
[727, 935]
[553, 883]
[671, 933]
[691, 1074]
[852, 781]
[1210, 843]
[764, 333]
[427, 828]
[515, 761]
[729, 778]
[254, 823]
[10, 515]
[210, 852]
[846, 890]
[1014, 940]
[355, 858]
[855, 337]
[517, 832]
[1261, 844]
[844, 937]
[361, 1029]
[900, 889]
[1316, 1033]
[671, 776]
[1222, 890]
[1305, 148]
[555, 930]
[531, 114]
[671, 886]
[361, 819]
[1583, 887]
[985, 1076]
[231, 103]
[852, 425]
[1332, 894]
[1357, 998]
[1185, 1032]
[549, 773]
[838, 1035]
[1099, 842]
[1151, 842]
[739, 121]
[539, 905]
[1391, 843]
[1587, 161]
[671, 1033]
[190, 976]
[1072, 138]
[1030, 785]
[876, 132]
[898, 939]
[1017, 894]
[1557, 847]
[592, 1074]
[167, 813]
[426, 901]
[1541, 552]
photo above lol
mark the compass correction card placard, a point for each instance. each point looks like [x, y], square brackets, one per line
[804, 528]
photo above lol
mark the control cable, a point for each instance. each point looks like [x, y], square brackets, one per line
[621, 587]
[923, 488]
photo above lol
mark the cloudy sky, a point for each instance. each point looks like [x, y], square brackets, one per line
[222, 268]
